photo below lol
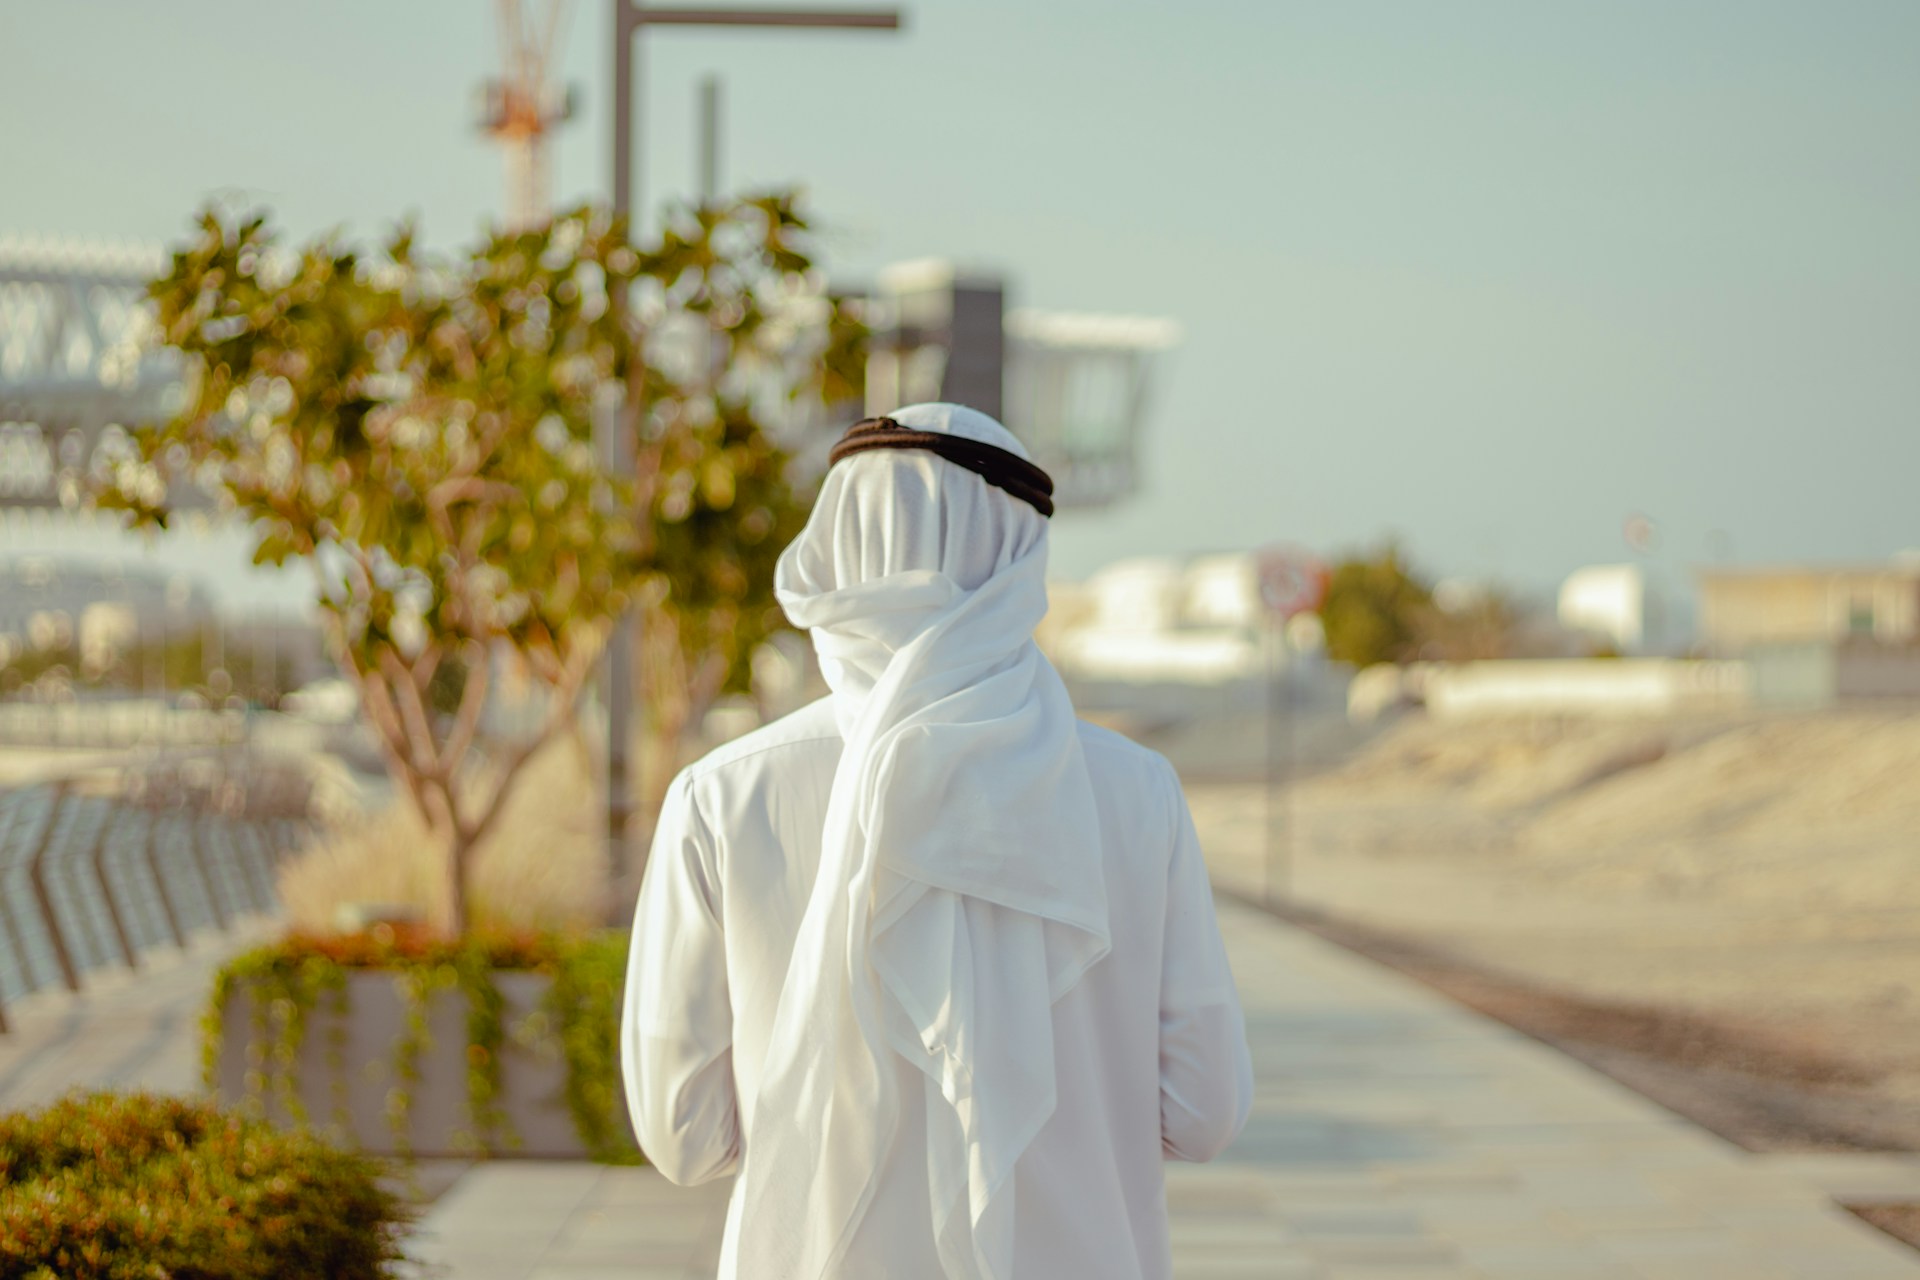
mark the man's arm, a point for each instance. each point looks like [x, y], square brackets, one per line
[1206, 1074]
[676, 1033]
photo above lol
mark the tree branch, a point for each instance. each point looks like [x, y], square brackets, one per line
[468, 488]
[392, 739]
[473, 701]
[413, 713]
[566, 702]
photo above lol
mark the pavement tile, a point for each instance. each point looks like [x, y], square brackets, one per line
[1266, 1268]
[1595, 1219]
[1212, 1232]
[1562, 1259]
[1728, 1266]
[1380, 1221]
[1381, 1250]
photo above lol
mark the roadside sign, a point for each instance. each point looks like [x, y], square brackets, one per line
[1292, 581]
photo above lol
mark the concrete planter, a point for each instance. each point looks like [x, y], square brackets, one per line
[345, 1070]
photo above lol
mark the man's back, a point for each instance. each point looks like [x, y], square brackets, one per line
[1149, 1049]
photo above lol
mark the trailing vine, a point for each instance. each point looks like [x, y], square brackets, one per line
[417, 988]
[285, 983]
[337, 1052]
[486, 1037]
[586, 984]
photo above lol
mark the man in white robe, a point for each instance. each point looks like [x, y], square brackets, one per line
[930, 963]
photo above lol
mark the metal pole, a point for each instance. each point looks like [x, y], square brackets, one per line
[617, 678]
[1289, 755]
[199, 854]
[258, 856]
[246, 887]
[8, 926]
[36, 872]
[9, 923]
[11, 927]
[1270, 639]
[167, 908]
[239, 865]
[629, 17]
[91, 945]
[625, 24]
[115, 916]
[709, 139]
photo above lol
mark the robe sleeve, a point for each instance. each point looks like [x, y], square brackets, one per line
[1206, 1073]
[676, 1034]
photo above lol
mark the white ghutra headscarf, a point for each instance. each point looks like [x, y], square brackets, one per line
[960, 891]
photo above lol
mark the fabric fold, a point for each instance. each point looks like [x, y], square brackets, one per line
[960, 890]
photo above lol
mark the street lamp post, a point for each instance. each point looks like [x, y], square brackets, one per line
[629, 18]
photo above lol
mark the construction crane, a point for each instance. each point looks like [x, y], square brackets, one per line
[522, 106]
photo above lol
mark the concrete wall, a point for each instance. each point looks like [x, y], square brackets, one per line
[344, 1071]
[1820, 675]
[1629, 686]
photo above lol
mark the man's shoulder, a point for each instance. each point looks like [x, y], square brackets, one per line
[809, 728]
[1119, 758]
[1115, 758]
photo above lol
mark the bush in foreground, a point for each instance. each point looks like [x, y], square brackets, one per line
[140, 1187]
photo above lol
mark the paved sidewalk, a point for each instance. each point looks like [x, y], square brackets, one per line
[137, 1029]
[1395, 1135]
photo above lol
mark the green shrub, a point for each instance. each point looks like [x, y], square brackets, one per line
[141, 1187]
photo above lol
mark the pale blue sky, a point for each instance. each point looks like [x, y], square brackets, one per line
[1488, 275]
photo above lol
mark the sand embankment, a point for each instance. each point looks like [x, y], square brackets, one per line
[1724, 908]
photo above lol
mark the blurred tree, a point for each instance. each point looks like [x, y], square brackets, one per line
[739, 344]
[1479, 624]
[1373, 609]
[421, 431]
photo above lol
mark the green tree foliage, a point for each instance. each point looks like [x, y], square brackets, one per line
[737, 337]
[421, 430]
[1374, 608]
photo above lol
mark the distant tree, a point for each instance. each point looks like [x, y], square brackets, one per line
[1373, 609]
[421, 431]
[1476, 625]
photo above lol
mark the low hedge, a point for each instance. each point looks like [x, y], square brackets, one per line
[579, 1017]
[141, 1187]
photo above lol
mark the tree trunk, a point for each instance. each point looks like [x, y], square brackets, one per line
[459, 848]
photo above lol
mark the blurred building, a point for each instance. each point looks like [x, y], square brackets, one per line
[1158, 619]
[1626, 609]
[1818, 635]
[1076, 387]
[1797, 604]
[99, 611]
[1607, 602]
[76, 367]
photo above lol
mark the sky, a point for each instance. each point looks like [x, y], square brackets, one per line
[1487, 278]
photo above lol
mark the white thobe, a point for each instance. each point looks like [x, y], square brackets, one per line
[1150, 1046]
